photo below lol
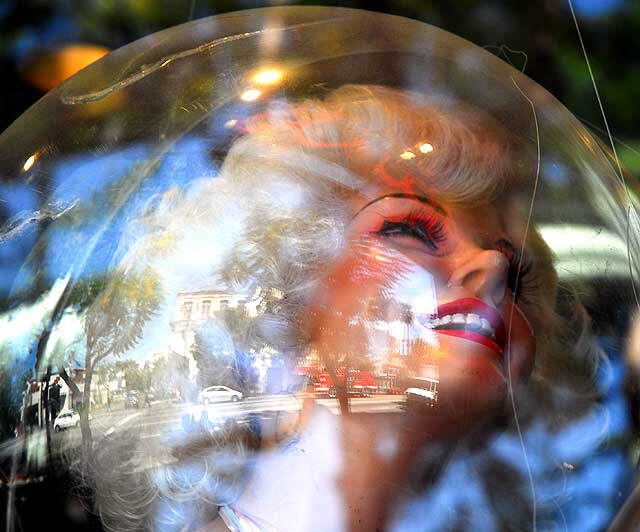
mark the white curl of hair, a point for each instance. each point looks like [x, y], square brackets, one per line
[277, 212]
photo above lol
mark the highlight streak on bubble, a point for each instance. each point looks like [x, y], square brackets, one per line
[29, 162]
[145, 70]
[20, 222]
[534, 193]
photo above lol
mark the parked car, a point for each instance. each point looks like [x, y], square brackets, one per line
[214, 394]
[425, 396]
[65, 420]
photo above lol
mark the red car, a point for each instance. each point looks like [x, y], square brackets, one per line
[359, 383]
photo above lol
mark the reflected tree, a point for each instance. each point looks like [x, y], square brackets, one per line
[223, 350]
[213, 354]
[105, 374]
[134, 376]
[113, 325]
[13, 380]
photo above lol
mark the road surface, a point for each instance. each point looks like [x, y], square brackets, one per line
[164, 424]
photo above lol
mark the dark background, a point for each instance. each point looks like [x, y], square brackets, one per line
[539, 36]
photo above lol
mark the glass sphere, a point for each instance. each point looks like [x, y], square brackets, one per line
[314, 269]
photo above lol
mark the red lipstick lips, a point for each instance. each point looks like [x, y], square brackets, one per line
[470, 306]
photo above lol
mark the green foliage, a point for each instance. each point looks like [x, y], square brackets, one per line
[223, 355]
[12, 385]
[630, 156]
[134, 375]
[166, 374]
[115, 320]
[214, 362]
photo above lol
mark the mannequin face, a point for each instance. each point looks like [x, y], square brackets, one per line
[452, 276]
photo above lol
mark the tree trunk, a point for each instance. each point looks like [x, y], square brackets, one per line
[342, 391]
[47, 415]
[85, 427]
[70, 383]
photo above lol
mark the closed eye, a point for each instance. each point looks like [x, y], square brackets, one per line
[428, 230]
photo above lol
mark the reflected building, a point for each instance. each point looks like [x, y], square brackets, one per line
[56, 392]
[393, 337]
[193, 309]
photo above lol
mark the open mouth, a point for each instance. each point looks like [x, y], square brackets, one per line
[471, 319]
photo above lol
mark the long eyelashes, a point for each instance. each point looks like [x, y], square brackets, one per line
[427, 229]
[522, 279]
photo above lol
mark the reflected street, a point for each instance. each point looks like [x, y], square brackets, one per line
[157, 424]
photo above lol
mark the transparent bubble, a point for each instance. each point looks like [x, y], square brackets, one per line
[314, 269]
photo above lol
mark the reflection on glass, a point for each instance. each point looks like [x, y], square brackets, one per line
[347, 300]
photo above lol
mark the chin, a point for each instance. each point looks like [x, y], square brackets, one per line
[471, 385]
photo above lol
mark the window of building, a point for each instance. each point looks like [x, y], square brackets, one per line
[224, 304]
[206, 308]
[187, 308]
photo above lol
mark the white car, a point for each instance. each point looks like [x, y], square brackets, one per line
[215, 394]
[423, 397]
[67, 419]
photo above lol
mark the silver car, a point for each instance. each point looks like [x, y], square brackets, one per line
[215, 394]
[65, 420]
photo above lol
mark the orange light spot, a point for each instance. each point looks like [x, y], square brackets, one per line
[51, 68]
[268, 76]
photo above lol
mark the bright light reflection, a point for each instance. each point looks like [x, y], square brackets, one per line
[230, 123]
[268, 76]
[29, 162]
[426, 148]
[20, 325]
[586, 251]
[250, 95]
[406, 155]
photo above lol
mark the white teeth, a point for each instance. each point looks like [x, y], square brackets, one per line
[473, 319]
[472, 322]
[432, 323]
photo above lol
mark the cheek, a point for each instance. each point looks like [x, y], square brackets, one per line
[345, 292]
[372, 272]
[366, 269]
[471, 387]
[464, 366]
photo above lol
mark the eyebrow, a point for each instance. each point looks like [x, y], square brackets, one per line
[404, 195]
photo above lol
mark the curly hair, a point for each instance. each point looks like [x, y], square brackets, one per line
[274, 217]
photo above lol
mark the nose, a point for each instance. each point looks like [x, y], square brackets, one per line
[483, 274]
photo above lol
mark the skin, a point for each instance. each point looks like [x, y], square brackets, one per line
[470, 262]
